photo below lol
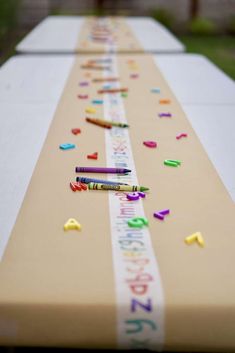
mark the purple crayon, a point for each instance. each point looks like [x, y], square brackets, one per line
[102, 170]
[162, 115]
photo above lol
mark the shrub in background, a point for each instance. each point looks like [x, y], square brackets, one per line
[8, 15]
[163, 16]
[202, 26]
[231, 26]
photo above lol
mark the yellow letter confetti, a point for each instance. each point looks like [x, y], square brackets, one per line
[195, 237]
[72, 224]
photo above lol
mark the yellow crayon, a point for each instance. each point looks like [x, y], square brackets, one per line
[131, 188]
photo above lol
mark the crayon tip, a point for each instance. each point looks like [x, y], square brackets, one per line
[143, 188]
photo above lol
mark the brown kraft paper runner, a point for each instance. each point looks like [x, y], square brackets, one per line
[198, 283]
[58, 288]
[122, 37]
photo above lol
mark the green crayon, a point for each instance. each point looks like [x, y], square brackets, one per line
[131, 188]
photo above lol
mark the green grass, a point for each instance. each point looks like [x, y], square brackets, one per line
[219, 49]
[8, 43]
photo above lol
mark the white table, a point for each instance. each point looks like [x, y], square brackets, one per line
[59, 34]
[193, 79]
[196, 80]
[29, 96]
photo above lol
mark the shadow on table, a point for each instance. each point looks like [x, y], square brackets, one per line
[63, 350]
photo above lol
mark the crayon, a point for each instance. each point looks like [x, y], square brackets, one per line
[102, 170]
[95, 67]
[106, 79]
[113, 123]
[113, 90]
[100, 61]
[95, 122]
[86, 180]
[98, 186]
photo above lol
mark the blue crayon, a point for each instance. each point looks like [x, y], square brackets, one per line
[92, 180]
